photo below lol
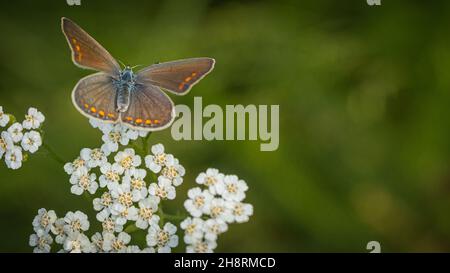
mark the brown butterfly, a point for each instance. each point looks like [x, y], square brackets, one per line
[118, 95]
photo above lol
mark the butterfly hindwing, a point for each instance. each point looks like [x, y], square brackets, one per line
[86, 51]
[150, 109]
[177, 77]
[95, 97]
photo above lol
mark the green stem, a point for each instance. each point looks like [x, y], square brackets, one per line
[52, 154]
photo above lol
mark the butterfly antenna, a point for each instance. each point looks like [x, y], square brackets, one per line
[137, 66]
[121, 63]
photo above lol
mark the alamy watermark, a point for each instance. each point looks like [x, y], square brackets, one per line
[236, 122]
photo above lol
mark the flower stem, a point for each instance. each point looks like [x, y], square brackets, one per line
[52, 154]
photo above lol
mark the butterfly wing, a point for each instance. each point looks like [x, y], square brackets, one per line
[150, 109]
[95, 97]
[86, 51]
[177, 77]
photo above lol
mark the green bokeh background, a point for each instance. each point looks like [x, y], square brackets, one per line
[364, 95]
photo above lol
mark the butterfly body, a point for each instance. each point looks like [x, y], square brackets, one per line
[125, 85]
[116, 95]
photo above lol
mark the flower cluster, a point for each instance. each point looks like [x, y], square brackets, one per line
[127, 201]
[213, 208]
[19, 139]
[128, 187]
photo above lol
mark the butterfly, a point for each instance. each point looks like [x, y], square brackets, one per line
[116, 95]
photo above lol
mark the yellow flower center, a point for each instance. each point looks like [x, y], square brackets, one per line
[163, 238]
[210, 181]
[160, 159]
[125, 199]
[232, 188]
[114, 136]
[127, 162]
[145, 213]
[112, 176]
[199, 201]
[216, 211]
[170, 172]
[137, 184]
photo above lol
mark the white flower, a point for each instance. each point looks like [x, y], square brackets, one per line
[146, 212]
[97, 242]
[77, 242]
[211, 178]
[135, 134]
[214, 227]
[132, 249]
[109, 224]
[15, 131]
[111, 243]
[127, 160]
[198, 202]
[41, 241]
[103, 203]
[14, 157]
[112, 136]
[75, 167]
[75, 222]
[4, 118]
[84, 181]
[219, 208]
[93, 157]
[58, 230]
[232, 189]
[164, 239]
[95, 123]
[159, 159]
[163, 190]
[201, 246]
[174, 172]
[6, 143]
[135, 178]
[122, 206]
[193, 229]
[31, 141]
[44, 220]
[110, 174]
[33, 119]
[240, 211]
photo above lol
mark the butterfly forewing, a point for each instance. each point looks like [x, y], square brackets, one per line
[95, 97]
[177, 76]
[86, 51]
[150, 109]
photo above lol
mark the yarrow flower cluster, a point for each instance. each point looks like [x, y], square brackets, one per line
[212, 208]
[17, 140]
[129, 187]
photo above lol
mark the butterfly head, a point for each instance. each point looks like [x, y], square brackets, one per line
[127, 74]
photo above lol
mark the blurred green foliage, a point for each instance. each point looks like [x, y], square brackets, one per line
[364, 95]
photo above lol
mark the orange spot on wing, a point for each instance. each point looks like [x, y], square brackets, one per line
[138, 121]
[194, 74]
[110, 115]
[93, 110]
[101, 113]
[74, 40]
[148, 122]
[188, 79]
[77, 47]
[129, 118]
[156, 121]
[86, 105]
[79, 57]
[181, 86]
